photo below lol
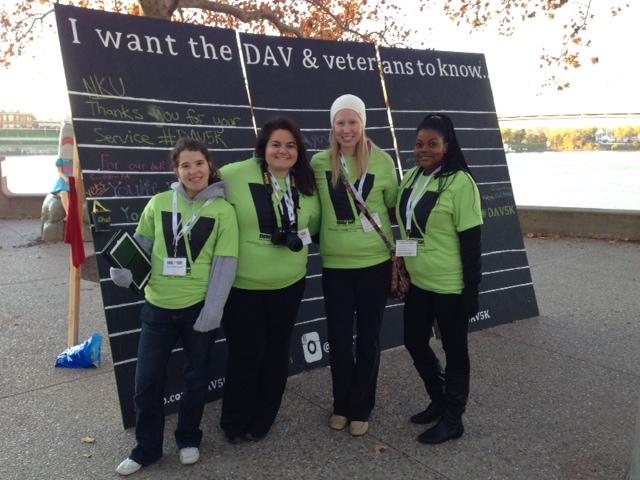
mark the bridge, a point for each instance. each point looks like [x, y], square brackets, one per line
[20, 141]
[570, 120]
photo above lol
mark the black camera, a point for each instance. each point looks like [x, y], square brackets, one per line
[289, 239]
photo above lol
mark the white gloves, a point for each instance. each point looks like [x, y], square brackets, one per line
[122, 277]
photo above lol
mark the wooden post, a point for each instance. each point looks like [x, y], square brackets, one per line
[74, 273]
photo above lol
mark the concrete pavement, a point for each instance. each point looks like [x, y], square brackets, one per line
[553, 397]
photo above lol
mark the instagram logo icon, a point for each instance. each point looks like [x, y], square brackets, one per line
[311, 347]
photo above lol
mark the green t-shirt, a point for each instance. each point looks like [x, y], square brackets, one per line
[261, 264]
[437, 219]
[343, 241]
[215, 233]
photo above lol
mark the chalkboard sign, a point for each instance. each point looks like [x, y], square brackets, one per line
[137, 84]
[301, 78]
[423, 81]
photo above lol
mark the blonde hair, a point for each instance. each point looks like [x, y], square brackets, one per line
[362, 156]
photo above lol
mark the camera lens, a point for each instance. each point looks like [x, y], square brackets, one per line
[293, 242]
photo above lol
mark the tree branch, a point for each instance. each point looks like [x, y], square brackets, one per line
[34, 19]
[242, 15]
[338, 22]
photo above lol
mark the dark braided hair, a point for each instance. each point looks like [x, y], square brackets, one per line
[453, 160]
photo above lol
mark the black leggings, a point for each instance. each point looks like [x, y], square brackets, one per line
[258, 326]
[421, 309]
[361, 292]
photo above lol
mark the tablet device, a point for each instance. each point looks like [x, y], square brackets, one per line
[122, 251]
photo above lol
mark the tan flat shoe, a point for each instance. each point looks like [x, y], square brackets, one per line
[357, 429]
[338, 422]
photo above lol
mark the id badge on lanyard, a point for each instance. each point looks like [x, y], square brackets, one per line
[366, 224]
[406, 248]
[178, 266]
[287, 195]
[174, 267]
[417, 191]
[357, 192]
[305, 236]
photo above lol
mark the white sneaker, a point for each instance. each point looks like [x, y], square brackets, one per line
[189, 455]
[128, 466]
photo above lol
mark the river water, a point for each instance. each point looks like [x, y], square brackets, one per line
[608, 180]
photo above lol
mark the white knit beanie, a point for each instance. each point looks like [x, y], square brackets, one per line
[349, 102]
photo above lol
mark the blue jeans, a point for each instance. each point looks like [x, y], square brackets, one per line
[161, 329]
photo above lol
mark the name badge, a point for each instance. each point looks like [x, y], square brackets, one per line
[406, 248]
[175, 267]
[366, 224]
[305, 236]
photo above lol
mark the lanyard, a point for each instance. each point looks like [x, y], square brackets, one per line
[288, 198]
[357, 193]
[186, 227]
[415, 196]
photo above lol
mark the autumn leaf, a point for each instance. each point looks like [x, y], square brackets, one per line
[379, 448]
[88, 440]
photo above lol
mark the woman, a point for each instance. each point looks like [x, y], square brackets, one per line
[356, 264]
[191, 234]
[439, 216]
[278, 211]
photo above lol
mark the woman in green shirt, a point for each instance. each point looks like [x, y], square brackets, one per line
[274, 198]
[439, 216]
[356, 265]
[191, 235]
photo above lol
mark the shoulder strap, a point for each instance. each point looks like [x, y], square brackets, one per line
[365, 212]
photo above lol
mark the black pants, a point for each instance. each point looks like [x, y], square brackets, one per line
[361, 292]
[258, 325]
[421, 309]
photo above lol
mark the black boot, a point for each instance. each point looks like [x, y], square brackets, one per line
[448, 427]
[456, 392]
[435, 388]
[431, 414]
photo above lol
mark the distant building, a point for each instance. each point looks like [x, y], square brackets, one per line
[49, 124]
[17, 120]
[604, 135]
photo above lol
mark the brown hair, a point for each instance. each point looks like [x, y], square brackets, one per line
[186, 143]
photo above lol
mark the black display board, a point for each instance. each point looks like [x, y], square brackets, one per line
[137, 84]
[301, 78]
[423, 81]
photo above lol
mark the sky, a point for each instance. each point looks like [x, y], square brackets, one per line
[35, 82]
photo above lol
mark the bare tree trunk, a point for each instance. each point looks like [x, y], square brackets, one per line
[158, 8]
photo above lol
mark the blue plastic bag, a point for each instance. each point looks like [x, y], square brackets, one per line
[85, 355]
